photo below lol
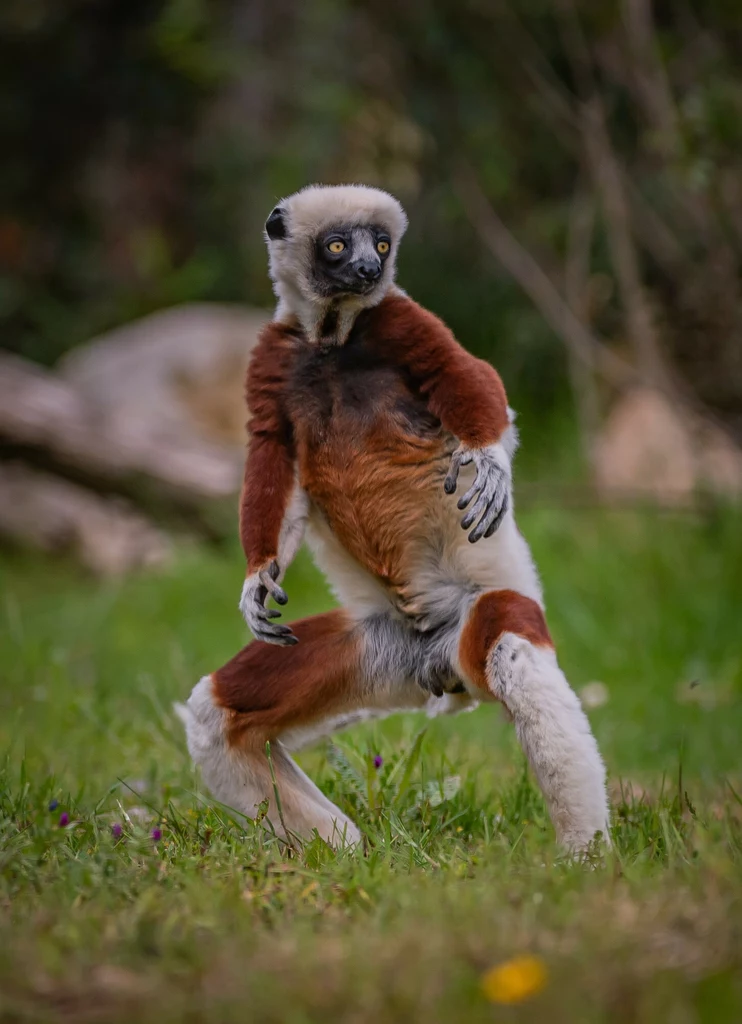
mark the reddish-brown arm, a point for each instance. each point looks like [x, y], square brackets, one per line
[465, 393]
[269, 468]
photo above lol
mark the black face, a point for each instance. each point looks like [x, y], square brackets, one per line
[350, 259]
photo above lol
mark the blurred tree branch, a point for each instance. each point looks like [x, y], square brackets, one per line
[576, 284]
[609, 185]
[534, 281]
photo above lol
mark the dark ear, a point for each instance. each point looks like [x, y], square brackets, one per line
[274, 226]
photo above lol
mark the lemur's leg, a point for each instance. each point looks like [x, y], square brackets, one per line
[506, 652]
[339, 668]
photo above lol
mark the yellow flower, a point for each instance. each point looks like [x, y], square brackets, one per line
[515, 980]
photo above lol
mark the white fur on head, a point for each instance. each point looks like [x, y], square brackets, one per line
[309, 213]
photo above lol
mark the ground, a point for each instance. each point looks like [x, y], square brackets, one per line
[105, 918]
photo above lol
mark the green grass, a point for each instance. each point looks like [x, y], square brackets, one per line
[219, 921]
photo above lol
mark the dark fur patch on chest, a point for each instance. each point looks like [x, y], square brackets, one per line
[351, 387]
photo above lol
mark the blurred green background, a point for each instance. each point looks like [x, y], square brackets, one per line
[144, 142]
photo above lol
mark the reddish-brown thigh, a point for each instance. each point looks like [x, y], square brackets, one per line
[269, 688]
[495, 613]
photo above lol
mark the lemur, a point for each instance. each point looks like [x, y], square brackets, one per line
[366, 417]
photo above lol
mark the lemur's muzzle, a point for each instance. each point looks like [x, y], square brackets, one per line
[366, 271]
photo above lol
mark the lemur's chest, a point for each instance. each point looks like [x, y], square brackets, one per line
[371, 457]
[348, 396]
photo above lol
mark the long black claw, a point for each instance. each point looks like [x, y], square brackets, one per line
[264, 614]
[284, 641]
[269, 629]
[452, 478]
[476, 488]
[476, 534]
[277, 639]
[268, 579]
[497, 521]
[479, 508]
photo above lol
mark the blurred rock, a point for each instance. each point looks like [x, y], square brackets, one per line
[652, 448]
[146, 444]
[52, 514]
[178, 371]
[150, 415]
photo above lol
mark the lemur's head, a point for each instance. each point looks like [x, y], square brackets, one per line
[334, 245]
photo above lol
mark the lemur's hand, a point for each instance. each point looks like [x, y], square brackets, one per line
[491, 487]
[252, 605]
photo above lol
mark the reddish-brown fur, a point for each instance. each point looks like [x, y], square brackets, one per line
[374, 488]
[372, 459]
[465, 393]
[370, 428]
[270, 689]
[495, 613]
[269, 468]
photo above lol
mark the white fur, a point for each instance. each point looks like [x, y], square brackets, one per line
[502, 561]
[293, 529]
[307, 735]
[307, 214]
[556, 737]
[317, 208]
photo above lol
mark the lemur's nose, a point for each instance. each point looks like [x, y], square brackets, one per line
[368, 271]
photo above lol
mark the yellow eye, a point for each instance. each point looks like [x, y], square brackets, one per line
[382, 247]
[336, 246]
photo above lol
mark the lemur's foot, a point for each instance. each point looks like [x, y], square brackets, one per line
[439, 680]
[491, 487]
[252, 605]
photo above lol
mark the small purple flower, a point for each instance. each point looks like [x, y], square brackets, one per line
[117, 830]
[378, 761]
[156, 835]
[53, 805]
[64, 819]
